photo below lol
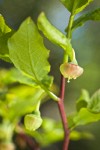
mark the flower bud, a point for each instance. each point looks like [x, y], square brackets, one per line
[32, 122]
[71, 71]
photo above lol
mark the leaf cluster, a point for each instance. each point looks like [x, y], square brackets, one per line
[88, 109]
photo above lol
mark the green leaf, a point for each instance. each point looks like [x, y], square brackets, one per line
[71, 123]
[76, 135]
[5, 33]
[28, 53]
[3, 27]
[75, 6]
[6, 133]
[21, 77]
[88, 110]
[94, 103]
[54, 35]
[51, 131]
[14, 75]
[83, 100]
[18, 76]
[8, 77]
[22, 97]
[23, 92]
[5, 58]
[93, 15]
[18, 97]
[53, 136]
[4, 52]
[84, 116]
[2, 108]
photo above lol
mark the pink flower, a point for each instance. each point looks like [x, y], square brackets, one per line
[71, 71]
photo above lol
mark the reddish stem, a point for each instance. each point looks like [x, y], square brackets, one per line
[29, 141]
[63, 114]
[62, 88]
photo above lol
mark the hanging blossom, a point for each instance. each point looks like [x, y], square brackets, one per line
[70, 70]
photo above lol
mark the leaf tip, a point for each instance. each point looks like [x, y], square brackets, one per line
[29, 19]
[41, 16]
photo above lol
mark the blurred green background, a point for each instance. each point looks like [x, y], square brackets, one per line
[86, 44]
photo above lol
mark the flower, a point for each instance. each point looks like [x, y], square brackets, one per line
[32, 122]
[71, 71]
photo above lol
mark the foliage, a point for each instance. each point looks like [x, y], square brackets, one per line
[30, 43]
[5, 33]
[54, 35]
[93, 15]
[27, 85]
[88, 109]
[75, 6]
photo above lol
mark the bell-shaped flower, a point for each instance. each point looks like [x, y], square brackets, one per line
[32, 122]
[71, 71]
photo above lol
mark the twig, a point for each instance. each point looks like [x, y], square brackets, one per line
[63, 114]
[62, 92]
[30, 142]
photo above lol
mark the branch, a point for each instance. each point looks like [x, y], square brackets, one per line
[63, 114]
[30, 142]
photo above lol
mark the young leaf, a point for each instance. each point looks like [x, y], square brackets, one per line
[22, 97]
[5, 33]
[27, 51]
[51, 131]
[84, 116]
[54, 35]
[83, 100]
[3, 27]
[88, 110]
[94, 103]
[75, 6]
[4, 52]
[94, 15]
[71, 123]
[76, 135]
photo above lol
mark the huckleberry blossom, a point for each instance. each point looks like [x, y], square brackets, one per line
[32, 122]
[70, 70]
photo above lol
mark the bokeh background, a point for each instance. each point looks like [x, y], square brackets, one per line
[86, 44]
